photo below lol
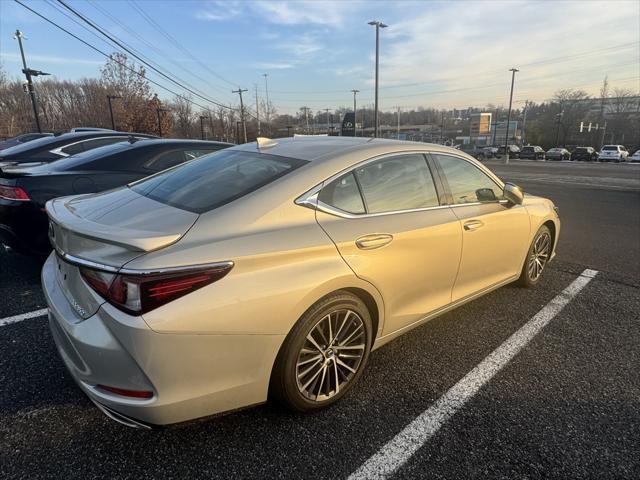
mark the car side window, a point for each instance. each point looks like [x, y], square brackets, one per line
[343, 194]
[468, 184]
[164, 160]
[400, 182]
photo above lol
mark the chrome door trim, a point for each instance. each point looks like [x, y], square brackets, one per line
[58, 150]
[82, 262]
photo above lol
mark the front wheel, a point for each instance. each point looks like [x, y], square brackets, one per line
[537, 258]
[324, 354]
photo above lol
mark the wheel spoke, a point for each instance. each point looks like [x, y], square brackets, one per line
[324, 374]
[313, 377]
[356, 330]
[313, 341]
[312, 359]
[342, 364]
[309, 368]
[350, 347]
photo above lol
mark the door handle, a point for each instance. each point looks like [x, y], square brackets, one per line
[375, 240]
[473, 225]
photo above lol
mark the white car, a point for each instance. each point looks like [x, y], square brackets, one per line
[635, 157]
[615, 153]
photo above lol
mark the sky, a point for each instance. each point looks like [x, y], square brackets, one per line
[451, 54]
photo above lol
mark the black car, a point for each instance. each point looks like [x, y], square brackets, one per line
[24, 138]
[587, 154]
[514, 151]
[25, 190]
[532, 152]
[480, 153]
[52, 148]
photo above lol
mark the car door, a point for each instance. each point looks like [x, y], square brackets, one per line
[387, 221]
[495, 233]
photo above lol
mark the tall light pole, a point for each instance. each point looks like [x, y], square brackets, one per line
[355, 123]
[327, 110]
[378, 26]
[266, 91]
[28, 73]
[506, 135]
[202, 117]
[398, 131]
[257, 108]
[109, 98]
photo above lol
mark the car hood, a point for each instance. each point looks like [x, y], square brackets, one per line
[114, 227]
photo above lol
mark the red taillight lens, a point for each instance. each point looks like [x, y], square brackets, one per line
[139, 293]
[13, 193]
[126, 393]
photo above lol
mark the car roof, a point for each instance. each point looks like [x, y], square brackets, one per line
[314, 148]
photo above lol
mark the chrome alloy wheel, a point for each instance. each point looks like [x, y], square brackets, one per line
[539, 256]
[331, 355]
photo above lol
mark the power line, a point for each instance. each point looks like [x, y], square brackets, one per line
[124, 65]
[128, 50]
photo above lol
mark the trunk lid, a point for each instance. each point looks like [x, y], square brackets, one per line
[110, 229]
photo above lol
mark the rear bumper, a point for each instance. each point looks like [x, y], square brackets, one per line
[191, 376]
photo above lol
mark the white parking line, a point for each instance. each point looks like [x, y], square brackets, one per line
[23, 316]
[401, 448]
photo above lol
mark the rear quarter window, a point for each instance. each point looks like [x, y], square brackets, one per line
[214, 180]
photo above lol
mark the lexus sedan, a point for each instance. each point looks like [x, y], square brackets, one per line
[587, 154]
[25, 190]
[273, 269]
[532, 152]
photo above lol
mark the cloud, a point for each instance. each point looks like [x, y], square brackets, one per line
[217, 10]
[274, 65]
[301, 46]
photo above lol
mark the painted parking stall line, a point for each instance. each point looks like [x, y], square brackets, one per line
[23, 316]
[401, 448]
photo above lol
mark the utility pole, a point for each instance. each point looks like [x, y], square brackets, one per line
[398, 132]
[244, 124]
[109, 98]
[558, 121]
[442, 129]
[266, 91]
[202, 117]
[306, 118]
[355, 123]
[29, 73]
[506, 135]
[257, 108]
[378, 26]
[158, 111]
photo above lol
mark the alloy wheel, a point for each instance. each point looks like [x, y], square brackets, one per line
[539, 256]
[331, 355]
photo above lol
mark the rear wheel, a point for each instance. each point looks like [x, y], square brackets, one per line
[537, 258]
[324, 354]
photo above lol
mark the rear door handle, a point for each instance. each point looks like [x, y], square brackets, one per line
[473, 225]
[375, 240]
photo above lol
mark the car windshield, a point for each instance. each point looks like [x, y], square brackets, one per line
[88, 156]
[214, 180]
[28, 146]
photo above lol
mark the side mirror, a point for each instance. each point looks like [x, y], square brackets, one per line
[513, 193]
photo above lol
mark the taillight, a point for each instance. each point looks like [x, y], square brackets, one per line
[123, 392]
[139, 293]
[13, 193]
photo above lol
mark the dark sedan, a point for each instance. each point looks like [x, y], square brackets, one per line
[532, 152]
[52, 148]
[25, 190]
[587, 154]
[20, 139]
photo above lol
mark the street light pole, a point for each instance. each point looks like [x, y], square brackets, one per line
[506, 135]
[266, 91]
[109, 98]
[355, 123]
[202, 117]
[378, 26]
[29, 73]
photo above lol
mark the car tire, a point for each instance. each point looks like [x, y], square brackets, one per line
[307, 351]
[539, 251]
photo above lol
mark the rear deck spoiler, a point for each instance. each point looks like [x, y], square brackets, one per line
[131, 239]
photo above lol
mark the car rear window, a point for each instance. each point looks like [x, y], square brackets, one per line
[527, 149]
[214, 180]
[610, 147]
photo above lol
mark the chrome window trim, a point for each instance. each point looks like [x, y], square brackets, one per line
[309, 199]
[82, 262]
[58, 150]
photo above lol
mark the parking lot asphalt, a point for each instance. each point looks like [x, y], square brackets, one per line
[565, 406]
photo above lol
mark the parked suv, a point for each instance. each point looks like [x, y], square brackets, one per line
[615, 153]
[587, 154]
[532, 152]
